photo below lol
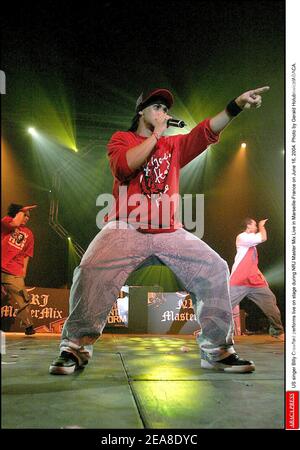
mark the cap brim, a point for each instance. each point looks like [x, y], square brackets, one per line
[162, 93]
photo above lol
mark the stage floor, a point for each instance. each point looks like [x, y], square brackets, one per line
[141, 381]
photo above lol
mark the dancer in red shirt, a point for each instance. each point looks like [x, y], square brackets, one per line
[17, 243]
[145, 164]
[246, 279]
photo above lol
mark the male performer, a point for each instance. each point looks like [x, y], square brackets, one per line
[17, 242]
[146, 166]
[246, 279]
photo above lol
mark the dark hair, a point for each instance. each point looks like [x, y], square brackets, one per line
[246, 222]
[13, 209]
[134, 123]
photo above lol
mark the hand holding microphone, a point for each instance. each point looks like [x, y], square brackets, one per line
[164, 121]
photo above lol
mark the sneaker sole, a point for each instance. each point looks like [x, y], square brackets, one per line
[225, 368]
[59, 370]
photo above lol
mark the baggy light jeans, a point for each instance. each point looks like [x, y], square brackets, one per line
[264, 299]
[115, 253]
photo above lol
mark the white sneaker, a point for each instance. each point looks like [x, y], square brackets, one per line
[231, 363]
[65, 364]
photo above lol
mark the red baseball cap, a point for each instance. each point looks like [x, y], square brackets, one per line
[162, 94]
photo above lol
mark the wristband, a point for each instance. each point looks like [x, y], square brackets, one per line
[155, 134]
[233, 108]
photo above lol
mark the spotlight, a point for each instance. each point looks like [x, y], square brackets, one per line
[69, 238]
[32, 131]
[243, 145]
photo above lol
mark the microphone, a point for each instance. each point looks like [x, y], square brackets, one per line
[176, 123]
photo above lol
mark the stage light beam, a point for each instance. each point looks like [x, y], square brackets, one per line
[32, 131]
[243, 145]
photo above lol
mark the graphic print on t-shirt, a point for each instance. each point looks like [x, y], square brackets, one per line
[18, 239]
[154, 174]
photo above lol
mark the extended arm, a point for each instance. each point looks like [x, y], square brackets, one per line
[250, 99]
[262, 230]
[253, 239]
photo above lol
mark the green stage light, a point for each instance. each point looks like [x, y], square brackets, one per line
[54, 113]
[32, 131]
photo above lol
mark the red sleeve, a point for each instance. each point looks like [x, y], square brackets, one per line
[5, 223]
[117, 149]
[28, 251]
[192, 144]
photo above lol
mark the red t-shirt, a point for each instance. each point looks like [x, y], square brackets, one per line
[16, 243]
[152, 186]
[245, 271]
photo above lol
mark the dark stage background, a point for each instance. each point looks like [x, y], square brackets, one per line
[74, 73]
